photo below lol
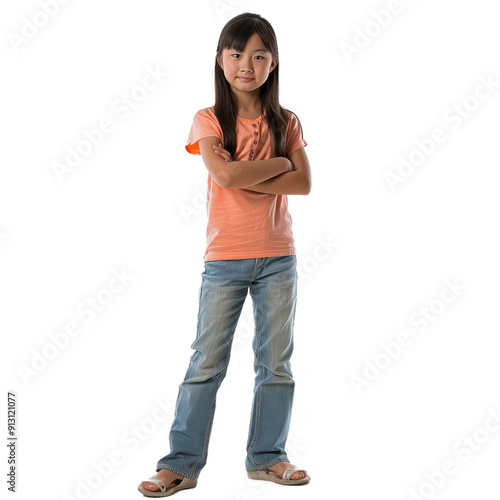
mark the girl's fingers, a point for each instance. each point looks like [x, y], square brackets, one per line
[222, 152]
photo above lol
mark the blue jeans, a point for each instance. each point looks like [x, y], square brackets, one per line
[273, 286]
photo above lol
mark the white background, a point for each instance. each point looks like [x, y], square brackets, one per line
[371, 259]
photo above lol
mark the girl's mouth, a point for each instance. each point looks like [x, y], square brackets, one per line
[245, 79]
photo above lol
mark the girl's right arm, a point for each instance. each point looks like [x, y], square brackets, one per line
[240, 174]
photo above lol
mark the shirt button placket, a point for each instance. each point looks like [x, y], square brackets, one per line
[252, 152]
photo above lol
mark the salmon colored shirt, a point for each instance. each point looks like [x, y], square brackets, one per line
[244, 224]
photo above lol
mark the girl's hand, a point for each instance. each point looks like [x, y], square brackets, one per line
[219, 150]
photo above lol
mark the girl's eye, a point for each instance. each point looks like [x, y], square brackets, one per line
[239, 56]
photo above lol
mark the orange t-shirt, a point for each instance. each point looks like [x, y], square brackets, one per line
[244, 224]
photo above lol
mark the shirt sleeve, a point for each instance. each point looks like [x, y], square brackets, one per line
[294, 139]
[204, 125]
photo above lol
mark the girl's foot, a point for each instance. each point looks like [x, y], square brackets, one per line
[281, 467]
[164, 475]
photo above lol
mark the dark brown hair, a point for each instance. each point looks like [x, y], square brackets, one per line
[234, 36]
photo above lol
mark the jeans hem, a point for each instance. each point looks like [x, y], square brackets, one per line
[282, 458]
[176, 471]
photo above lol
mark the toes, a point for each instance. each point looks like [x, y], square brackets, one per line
[150, 486]
[296, 475]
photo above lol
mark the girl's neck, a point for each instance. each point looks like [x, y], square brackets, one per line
[249, 106]
[249, 115]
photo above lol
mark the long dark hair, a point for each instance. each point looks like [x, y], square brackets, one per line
[234, 36]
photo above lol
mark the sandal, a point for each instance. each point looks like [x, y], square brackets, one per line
[270, 475]
[173, 487]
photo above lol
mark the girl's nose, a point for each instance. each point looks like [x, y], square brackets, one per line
[246, 66]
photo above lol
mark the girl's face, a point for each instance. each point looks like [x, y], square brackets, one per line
[248, 70]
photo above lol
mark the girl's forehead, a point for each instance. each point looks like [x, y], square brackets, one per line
[252, 47]
[253, 42]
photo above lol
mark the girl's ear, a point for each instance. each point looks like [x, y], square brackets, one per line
[274, 64]
[217, 55]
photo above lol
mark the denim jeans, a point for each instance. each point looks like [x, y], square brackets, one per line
[273, 286]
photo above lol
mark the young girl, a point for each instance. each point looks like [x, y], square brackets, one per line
[254, 152]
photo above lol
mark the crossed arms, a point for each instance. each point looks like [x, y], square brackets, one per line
[274, 176]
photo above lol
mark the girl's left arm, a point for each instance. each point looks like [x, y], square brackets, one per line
[297, 181]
